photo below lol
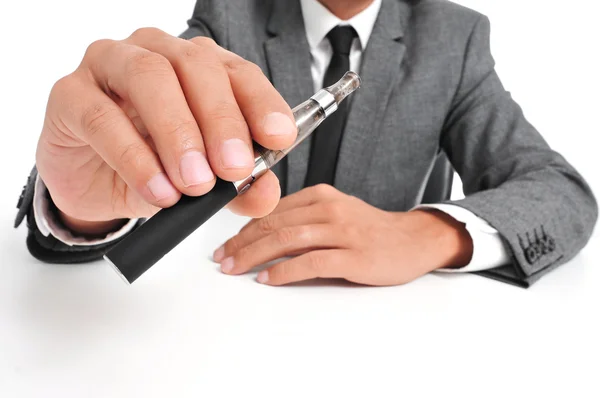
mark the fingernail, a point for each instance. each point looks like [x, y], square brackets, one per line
[227, 265]
[194, 169]
[160, 187]
[263, 277]
[278, 124]
[219, 254]
[235, 154]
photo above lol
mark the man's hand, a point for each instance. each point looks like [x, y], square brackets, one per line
[143, 120]
[334, 235]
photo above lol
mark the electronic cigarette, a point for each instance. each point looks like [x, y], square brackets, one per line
[166, 229]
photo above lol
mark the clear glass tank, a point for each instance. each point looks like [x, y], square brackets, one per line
[311, 113]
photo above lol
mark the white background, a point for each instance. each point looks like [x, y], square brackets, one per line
[186, 330]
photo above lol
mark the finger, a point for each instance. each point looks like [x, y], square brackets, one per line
[308, 196]
[208, 91]
[321, 193]
[257, 229]
[95, 119]
[334, 263]
[312, 213]
[269, 117]
[260, 199]
[148, 81]
[283, 242]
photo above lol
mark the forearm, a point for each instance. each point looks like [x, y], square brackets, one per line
[540, 205]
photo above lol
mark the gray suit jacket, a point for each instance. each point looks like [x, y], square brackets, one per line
[429, 85]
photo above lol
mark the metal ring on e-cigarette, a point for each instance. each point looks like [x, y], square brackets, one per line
[260, 168]
[326, 101]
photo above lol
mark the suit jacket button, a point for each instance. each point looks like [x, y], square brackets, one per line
[544, 247]
[551, 244]
[531, 255]
[539, 249]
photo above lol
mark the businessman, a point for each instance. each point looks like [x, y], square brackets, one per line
[146, 119]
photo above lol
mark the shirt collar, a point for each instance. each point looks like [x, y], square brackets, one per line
[318, 21]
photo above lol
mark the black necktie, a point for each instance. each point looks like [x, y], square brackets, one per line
[326, 139]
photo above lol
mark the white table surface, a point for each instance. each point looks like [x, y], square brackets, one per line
[186, 330]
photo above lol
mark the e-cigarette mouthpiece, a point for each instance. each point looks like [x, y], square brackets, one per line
[348, 84]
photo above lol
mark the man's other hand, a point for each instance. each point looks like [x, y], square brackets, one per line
[145, 119]
[333, 235]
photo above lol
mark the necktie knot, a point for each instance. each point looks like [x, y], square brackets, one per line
[341, 38]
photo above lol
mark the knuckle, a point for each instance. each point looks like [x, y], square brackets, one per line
[211, 67]
[200, 57]
[180, 130]
[203, 53]
[226, 111]
[132, 155]
[251, 224]
[204, 41]
[266, 224]
[284, 236]
[333, 210]
[97, 47]
[244, 254]
[237, 64]
[282, 271]
[146, 32]
[253, 69]
[193, 53]
[63, 86]
[232, 245]
[353, 199]
[323, 190]
[303, 233]
[316, 263]
[146, 62]
[98, 118]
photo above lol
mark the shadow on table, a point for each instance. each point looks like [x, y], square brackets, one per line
[329, 282]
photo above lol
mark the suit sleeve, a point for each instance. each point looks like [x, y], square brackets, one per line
[540, 205]
[208, 20]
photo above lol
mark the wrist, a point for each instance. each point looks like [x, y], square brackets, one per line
[451, 241]
[90, 229]
[83, 228]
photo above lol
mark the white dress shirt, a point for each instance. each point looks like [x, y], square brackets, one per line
[488, 249]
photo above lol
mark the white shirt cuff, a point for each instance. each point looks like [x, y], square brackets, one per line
[488, 247]
[47, 224]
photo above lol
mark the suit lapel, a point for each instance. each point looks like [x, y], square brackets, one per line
[288, 59]
[380, 72]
